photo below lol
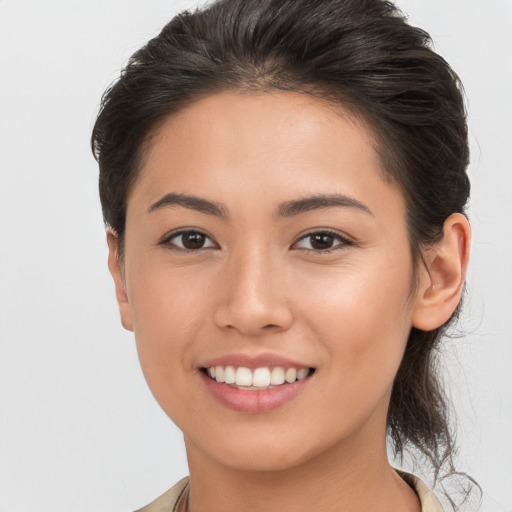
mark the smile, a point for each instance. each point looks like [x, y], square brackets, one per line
[255, 390]
[258, 378]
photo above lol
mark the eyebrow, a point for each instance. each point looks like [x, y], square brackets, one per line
[286, 209]
[291, 208]
[191, 202]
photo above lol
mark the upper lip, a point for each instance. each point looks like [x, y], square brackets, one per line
[253, 361]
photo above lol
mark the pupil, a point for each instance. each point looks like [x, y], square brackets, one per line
[321, 241]
[193, 240]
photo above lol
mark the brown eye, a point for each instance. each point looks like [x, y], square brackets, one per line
[321, 242]
[193, 240]
[190, 241]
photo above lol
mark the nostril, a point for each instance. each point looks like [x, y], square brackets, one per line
[252, 311]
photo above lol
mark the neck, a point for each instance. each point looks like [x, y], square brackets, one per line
[347, 477]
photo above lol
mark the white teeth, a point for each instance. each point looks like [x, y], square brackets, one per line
[302, 373]
[219, 374]
[261, 378]
[291, 375]
[243, 377]
[257, 378]
[277, 376]
[229, 375]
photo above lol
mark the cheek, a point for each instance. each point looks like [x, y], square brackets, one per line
[363, 318]
[166, 303]
[168, 312]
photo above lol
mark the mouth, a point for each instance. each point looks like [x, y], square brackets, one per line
[256, 383]
[256, 379]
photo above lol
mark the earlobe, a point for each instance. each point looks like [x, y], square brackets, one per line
[442, 279]
[116, 271]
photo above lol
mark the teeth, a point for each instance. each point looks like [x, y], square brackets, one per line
[219, 374]
[290, 375]
[261, 378]
[243, 377]
[302, 373]
[257, 378]
[229, 375]
[277, 376]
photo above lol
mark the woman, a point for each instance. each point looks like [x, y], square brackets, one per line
[283, 184]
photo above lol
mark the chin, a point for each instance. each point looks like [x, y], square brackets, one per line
[261, 460]
[259, 452]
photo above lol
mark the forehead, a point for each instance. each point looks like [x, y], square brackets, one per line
[272, 144]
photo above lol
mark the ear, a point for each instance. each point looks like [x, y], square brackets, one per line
[442, 278]
[116, 271]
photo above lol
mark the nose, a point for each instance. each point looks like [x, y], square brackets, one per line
[253, 299]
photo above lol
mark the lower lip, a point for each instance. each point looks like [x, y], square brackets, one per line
[254, 401]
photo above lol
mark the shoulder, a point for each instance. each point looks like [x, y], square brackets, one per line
[428, 500]
[168, 501]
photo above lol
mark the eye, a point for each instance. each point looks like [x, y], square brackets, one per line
[189, 240]
[321, 241]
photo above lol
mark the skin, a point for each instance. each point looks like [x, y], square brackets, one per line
[260, 286]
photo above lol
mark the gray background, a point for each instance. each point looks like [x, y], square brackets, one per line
[79, 430]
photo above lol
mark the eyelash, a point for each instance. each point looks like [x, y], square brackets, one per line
[342, 241]
[167, 240]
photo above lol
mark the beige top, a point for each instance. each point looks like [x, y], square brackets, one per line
[175, 499]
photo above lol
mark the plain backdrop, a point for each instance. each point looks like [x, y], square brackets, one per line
[79, 430]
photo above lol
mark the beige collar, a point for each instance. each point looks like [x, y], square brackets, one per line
[175, 499]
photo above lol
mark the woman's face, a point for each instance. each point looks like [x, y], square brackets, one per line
[262, 235]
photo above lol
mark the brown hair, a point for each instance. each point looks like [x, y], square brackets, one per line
[361, 54]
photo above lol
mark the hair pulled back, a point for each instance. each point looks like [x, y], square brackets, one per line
[360, 54]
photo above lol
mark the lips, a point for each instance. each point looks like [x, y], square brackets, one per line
[254, 384]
